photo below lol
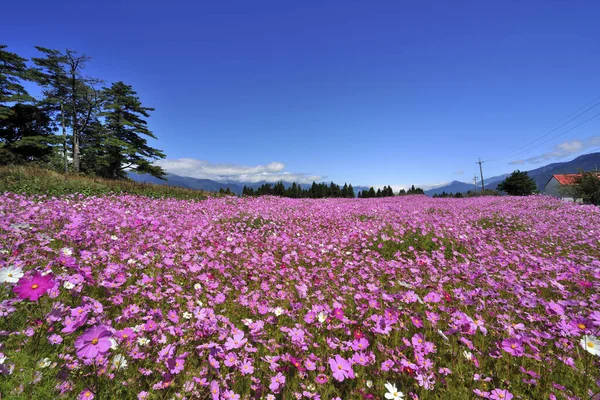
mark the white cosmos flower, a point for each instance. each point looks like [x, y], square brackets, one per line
[197, 286]
[10, 274]
[187, 315]
[142, 341]
[393, 393]
[369, 384]
[322, 316]
[43, 363]
[66, 251]
[119, 362]
[113, 344]
[468, 355]
[2, 358]
[68, 285]
[278, 311]
[591, 344]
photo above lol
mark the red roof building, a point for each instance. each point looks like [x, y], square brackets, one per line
[566, 179]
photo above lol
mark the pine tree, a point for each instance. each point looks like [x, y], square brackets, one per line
[26, 135]
[61, 76]
[126, 144]
[518, 184]
[13, 69]
[350, 191]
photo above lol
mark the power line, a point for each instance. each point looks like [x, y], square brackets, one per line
[597, 103]
[549, 140]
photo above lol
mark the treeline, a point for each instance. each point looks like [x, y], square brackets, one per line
[388, 192]
[316, 191]
[444, 195]
[470, 193]
[80, 123]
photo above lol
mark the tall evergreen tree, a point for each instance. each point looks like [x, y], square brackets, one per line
[126, 145]
[350, 191]
[61, 76]
[13, 69]
[26, 135]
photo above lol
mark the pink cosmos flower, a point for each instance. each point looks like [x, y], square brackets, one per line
[360, 358]
[214, 390]
[500, 394]
[94, 342]
[310, 365]
[126, 334]
[235, 342]
[246, 368]
[321, 379]
[175, 365]
[513, 347]
[86, 395]
[74, 323]
[230, 395]
[33, 288]
[277, 382]
[360, 344]
[55, 339]
[230, 359]
[341, 368]
[338, 313]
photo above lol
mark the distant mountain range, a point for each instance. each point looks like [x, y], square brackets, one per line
[540, 175]
[213, 186]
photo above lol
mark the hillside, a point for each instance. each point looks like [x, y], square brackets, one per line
[37, 181]
[540, 175]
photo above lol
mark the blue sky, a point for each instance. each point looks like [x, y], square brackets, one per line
[368, 92]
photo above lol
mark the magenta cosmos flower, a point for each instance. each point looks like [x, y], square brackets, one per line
[33, 288]
[341, 368]
[513, 347]
[95, 341]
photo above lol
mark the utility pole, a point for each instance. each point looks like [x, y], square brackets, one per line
[481, 172]
[475, 181]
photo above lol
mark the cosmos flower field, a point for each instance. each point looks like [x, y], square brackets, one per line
[270, 298]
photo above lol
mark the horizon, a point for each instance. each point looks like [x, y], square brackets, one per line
[373, 95]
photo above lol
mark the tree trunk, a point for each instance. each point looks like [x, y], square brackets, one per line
[64, 132]
[74, 117]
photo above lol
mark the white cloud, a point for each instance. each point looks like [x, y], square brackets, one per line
[561, 150]
[201, 169]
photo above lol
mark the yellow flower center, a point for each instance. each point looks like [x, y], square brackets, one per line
[513, 346]
[95, 341]
[339, 367]
[500, 395]
[35, 286]
[125, 336]
[581, 326]
[591, 345]
[88, 394]
[10, 275]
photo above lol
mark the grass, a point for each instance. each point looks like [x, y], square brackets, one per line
[38, 181]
